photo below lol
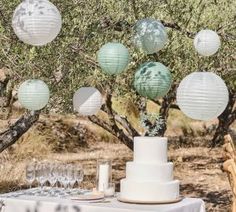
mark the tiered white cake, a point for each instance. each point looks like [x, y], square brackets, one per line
[149, 177]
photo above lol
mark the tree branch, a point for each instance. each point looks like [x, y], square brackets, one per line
[175, 26]
[119, 132]
[89, 59]
[135, 10]
[101, 123]
[119, 26]
[172, 106]
[11, 135]
[5, 22]
[123, 121]
[225, 120]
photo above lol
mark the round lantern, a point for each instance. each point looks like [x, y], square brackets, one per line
[113, 58]
[202, 96]
[207, 42]
[87, 101]
[150, 35]
[33, 94]
[36, 22]
[152, 80]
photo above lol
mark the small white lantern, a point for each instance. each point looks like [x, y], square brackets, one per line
[36, 22]
[33, 94]
[202, 96]
[87, 101]
[207, 42]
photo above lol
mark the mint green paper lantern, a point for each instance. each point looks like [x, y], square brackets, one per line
[33, 94]
[152, 80]
[113, 58]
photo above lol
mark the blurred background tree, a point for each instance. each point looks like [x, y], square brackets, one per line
[69, 62]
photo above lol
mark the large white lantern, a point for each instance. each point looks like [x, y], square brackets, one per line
[202, 96]
[36, 22]
[87, 101]
[33, 94]
[207, 42]
[150, 35]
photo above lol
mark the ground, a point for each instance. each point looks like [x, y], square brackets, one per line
[196, 165]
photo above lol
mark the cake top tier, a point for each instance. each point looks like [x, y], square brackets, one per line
[150, 149]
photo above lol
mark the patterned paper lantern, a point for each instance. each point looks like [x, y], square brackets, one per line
[150, 35]
[207, 42]
[87, 101]
[113, 58]
[33, 94]
[36, 22]
[202, 96]
[152, 80]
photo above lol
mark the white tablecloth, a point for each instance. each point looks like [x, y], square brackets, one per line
[44, 204]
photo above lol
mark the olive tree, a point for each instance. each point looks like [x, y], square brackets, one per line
[69, 62]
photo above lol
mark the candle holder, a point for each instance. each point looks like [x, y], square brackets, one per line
[109, 191]
[104, 174]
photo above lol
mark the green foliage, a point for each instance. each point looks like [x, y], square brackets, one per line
[70, 61]
[156, 121]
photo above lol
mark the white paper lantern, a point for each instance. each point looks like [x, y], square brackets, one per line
[33, 94]
[207, 42]
[87, 101]
[36, 22]
[202, 96]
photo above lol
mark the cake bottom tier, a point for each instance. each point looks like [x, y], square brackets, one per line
[149, 191]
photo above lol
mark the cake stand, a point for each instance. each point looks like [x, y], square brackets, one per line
[149, 202]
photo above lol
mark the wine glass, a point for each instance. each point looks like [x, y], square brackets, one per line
[62, 178]
[30, 173]
[60, 175]
[65, 178]
[79, 174]
[41, 176]
[52, 176]
[71, 177]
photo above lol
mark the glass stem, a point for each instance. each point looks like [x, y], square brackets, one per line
[41, 186]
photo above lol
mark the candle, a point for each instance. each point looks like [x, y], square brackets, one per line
[104, 174]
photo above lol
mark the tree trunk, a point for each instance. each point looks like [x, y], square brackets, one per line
[225, 120]
[124, 134]
[164, 111]
[15, 131]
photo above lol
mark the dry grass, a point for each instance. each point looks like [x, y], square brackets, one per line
[55, 138]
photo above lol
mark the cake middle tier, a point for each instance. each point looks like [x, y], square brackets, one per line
[150, 172]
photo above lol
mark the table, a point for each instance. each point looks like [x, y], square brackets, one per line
[49, 204]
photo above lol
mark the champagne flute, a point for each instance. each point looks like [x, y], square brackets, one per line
[52, 177]
[71, 177]
[79, 174]
[65, 179]
[30, 174]
[42, 176]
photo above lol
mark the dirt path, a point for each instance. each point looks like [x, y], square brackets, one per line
[198, 169]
